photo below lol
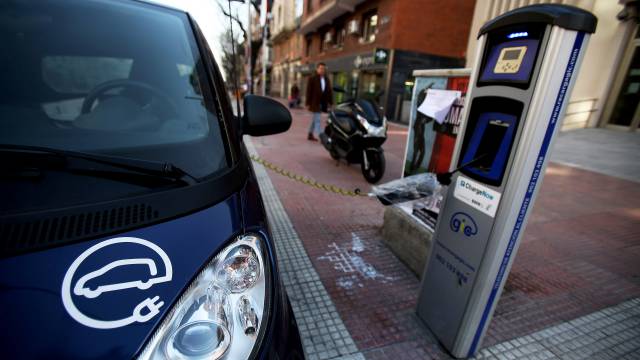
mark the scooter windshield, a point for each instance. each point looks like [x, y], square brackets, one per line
[370, 111]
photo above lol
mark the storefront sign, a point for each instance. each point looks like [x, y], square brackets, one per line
[363, 61]
[305, 69]
[381, 56]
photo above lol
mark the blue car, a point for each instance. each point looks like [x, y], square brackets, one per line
[131, 222]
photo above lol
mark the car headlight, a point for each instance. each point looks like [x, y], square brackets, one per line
[221, 313]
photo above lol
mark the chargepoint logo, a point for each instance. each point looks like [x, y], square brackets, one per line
[480, 192]
[476, 195]
[136, 273]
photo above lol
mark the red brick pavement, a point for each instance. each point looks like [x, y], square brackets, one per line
[579, 254]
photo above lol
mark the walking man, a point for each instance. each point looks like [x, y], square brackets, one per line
[319, 98]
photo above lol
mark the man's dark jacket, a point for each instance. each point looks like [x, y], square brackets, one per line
[315, 96]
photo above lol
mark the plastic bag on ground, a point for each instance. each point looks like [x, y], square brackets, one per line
[408, 188]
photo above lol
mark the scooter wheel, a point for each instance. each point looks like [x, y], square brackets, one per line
[375, 172]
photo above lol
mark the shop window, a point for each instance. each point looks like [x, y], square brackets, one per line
[370, 23]
[408, 88]
[341, 79]
[370, 84]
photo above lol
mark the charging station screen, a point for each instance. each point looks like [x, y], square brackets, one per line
[510, 56]
[510, 61]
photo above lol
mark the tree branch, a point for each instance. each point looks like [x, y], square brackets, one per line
[234, 18]
[256, 5]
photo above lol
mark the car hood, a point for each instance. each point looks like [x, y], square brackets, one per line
[78, 301]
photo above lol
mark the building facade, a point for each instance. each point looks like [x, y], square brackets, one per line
[371, 47]
[287, 46]
[607, 90]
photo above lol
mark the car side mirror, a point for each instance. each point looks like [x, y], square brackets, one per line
[264, 116]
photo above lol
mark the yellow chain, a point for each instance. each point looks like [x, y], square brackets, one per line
[330, 188]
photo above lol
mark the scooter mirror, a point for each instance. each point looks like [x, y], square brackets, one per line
[339, 89]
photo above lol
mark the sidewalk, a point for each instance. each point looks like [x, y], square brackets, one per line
[579, 254]
[606, 151]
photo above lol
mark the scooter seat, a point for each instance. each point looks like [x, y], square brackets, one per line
[345, 124]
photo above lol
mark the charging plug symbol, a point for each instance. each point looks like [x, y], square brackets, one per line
[150, 307]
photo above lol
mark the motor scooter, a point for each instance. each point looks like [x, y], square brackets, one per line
[355, 131]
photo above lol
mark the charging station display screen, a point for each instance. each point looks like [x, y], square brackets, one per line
[510, 61]
[510, 57]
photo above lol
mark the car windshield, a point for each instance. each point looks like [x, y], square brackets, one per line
[114, 78]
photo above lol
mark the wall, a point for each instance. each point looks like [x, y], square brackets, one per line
[352, 44]
[432, 27]
[287, 47]
[599, 67]
[422, 26]
[284, 16]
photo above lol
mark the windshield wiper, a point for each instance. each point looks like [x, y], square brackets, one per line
[148, 167]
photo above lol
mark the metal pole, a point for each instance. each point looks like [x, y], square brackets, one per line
[249, 67]
[265, 54]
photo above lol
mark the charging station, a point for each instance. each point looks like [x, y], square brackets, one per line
[524, 72]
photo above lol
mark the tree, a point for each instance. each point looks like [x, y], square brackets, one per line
[256, 43]
[228, 60]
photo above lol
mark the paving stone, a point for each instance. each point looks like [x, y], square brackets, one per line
[306, 292]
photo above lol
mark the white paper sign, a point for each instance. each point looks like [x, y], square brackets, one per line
[477, 195]
[438, 102]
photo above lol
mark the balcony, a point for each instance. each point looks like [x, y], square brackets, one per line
[325, 14]
[281, 33]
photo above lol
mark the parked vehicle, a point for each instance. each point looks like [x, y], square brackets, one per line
[131, 222]
[355, 132]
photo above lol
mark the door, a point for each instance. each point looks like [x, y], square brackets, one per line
[624, 112]
[286, 91]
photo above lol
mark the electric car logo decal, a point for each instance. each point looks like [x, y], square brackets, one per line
[463, 223]
[149, 266]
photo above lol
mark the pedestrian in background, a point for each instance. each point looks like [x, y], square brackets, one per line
[294, 97]
[319, 98]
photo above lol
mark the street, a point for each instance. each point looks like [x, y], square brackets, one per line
[579, 256]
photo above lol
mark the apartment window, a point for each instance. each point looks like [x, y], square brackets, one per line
[307, 51]
[309, 6]
[340, 35]
[370, 21]
[323, 43]
[280, 15]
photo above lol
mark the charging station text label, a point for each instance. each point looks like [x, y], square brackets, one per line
[477, 195]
